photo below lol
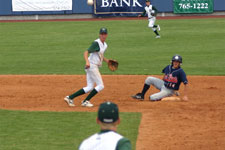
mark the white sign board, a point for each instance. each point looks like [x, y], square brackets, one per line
[41, 5]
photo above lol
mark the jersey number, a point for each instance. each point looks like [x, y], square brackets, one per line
[172, 85]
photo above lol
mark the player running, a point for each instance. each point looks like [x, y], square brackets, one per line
[107, 138]
[151, 12]
[173, 76]
[93, 62]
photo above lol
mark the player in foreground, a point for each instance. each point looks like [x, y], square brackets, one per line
[151, 12]
[173, 76]
[107, 139]
[93, 62]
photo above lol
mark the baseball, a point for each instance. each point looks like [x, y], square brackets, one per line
[90, 2]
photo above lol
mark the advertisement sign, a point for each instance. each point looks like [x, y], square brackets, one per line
[193, 6]
[41, 5]
[114, 7]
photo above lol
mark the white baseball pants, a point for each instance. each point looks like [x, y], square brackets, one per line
[152, 23]
[159, 84]
[93, 76]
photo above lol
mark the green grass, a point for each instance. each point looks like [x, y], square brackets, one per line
[21, 130]
[57, 47]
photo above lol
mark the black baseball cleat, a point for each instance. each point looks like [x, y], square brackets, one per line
[138, 96]
[155, 100]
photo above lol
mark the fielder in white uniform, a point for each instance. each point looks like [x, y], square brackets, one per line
[151, 11]
[107, 138]
[93, 62]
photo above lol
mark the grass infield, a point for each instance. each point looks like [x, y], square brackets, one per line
[22, 130]
[57, 47]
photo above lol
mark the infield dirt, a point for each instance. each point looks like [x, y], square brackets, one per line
[196, 124]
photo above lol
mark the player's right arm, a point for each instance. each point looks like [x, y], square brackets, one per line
[87, 65]
[163, 71]
[143, 14]
[93, 48]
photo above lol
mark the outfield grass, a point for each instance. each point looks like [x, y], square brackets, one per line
[21, 130]
[57, 47]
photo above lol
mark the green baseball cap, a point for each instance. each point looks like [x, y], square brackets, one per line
[103, 31]
[147, 1]
[108, 112]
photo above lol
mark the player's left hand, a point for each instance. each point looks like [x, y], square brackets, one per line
[185, 98]
[153, 13]
[176, 93]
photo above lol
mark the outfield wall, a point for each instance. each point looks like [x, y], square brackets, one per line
[81, 7]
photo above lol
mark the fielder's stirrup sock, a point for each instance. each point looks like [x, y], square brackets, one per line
[93, 93]
[156, 32]
[78, 93]
[145, 89]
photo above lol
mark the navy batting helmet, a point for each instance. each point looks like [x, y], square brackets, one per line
[177, 58]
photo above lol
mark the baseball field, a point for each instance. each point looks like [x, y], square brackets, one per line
[42, 62]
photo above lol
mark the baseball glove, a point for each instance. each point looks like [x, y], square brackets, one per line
[113, 65]
[153, 13]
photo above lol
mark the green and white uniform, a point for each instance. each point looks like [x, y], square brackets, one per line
[106, 140]
[96, 51]
[150, 10]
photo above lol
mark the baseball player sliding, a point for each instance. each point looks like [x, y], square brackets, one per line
[169, 85]
[107, 138]
[93, 62]
[151, 12]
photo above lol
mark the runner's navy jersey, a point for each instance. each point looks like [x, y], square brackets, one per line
[173, 77]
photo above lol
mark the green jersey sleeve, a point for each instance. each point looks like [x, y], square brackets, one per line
[123, 144]
[153, 8]
[94, 47]
[143, 14]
